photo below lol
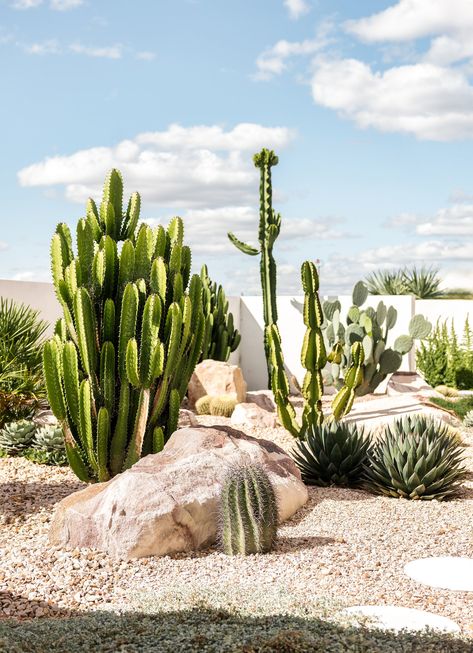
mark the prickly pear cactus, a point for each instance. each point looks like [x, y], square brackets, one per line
[132, 331]
[370, 328]
[220, 336]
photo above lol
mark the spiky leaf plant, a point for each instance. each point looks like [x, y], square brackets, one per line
[49, 443]
[468, 419]
[16, 436]
[332, 454]
[248, 511]
[223, 405]
[119, 365]
[416, 458]
[220, 337]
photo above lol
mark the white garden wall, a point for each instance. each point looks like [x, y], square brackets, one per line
[248, 315]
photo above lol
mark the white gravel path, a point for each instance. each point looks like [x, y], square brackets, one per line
[345, 546]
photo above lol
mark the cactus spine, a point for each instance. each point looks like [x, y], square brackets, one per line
[222, 406]
[314, 358]
[248, 511]
[131, 334]
[221, 337]
[269, 228]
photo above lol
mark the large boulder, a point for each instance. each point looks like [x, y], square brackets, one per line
[168, 502]
[216, 378]
[249, 415]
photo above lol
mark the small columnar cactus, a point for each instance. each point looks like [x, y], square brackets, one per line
[220, 337]
[371, 328]
[223, 405]
[248, 511]
[17, 436]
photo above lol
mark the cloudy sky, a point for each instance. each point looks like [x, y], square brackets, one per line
[368, 104]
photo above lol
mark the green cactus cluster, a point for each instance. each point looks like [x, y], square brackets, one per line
[269, 228]
[248, 511]
[15, 437]
[222, 405]
[314, 359]
[371, 328]
[220, 336]
[121, 358]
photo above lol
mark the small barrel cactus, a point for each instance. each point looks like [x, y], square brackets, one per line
[222, 406]
[248, 511]
[17, 436]
[202, 405]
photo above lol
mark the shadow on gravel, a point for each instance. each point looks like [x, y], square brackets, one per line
[15, 603]
[285, 543]
[23, 497]
[211, 631]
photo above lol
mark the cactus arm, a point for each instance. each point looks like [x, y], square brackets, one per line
[86, 330]
[107, 375]
[132, 217]
[70, 368]
[52, 376]
[75, 456]
[243, 247]
[85, 421]
[141, 421]
[103, 437]
[343, 401]
[120, 435]
[128, 319]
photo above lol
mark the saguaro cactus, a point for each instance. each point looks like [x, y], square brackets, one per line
[269, 228]
[314, 358]
[122, 356]
[221, 337]
[248, 511]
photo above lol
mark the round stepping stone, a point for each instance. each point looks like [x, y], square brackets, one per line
[446, 573]
[391, 617]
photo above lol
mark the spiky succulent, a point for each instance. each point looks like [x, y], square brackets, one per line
[468, 419]
[220, 336]
[49, 441]
[202, 405]
[16, 436]
[416, 458]
[332, 454]
[222, 406]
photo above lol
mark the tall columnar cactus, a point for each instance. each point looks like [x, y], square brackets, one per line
[269, 228]
[371, 328]
[220, 337]
[122, 356]
[248, 511]
[314, 359]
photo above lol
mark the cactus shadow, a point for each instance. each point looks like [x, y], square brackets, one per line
[286, 544]
[11, 604]
[26, 497]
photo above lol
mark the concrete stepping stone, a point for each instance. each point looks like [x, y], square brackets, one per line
[448, 573]
[391, 617]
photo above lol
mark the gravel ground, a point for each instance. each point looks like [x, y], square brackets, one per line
[345, 547]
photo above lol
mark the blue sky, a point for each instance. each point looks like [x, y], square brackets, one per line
[369, 106]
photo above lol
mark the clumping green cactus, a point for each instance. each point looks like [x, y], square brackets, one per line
[269, 228]
[371, 328]
[220, 336]
[222, 406]
[248, 511]
[202, 405]
[17, 436]
[314, 359]
[131, 334]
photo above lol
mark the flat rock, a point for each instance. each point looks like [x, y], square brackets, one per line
[392, 617]
[186, 418]
[249, 414]
[448, 572]
[401, 383]
[262, 398]
[168, 502]
[45, 418]
[216, 378]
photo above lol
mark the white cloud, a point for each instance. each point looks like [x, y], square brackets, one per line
[428, 101]
[44, 47]
[3, 245]
[145, 55]
[26, 4]
[413, 19]
[65, 5]
[110, 52]
[432, 251]
[297, 8]
[195, 167]
[455, 220]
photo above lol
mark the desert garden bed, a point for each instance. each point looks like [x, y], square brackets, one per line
[344, 547]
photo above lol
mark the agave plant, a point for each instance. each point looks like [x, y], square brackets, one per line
[423, 283]
[417, 457]
[386, 282]
[334, 453]
[16, 436]
[49, 443]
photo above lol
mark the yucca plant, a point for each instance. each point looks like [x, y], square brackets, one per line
[17, 436]
[119, 365]
[332, 453]
[386, 282]
[468, 420]
[423, 283]
[416, 458]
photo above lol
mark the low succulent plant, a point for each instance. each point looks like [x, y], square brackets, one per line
[333, 453]
[16, 436]
[248, 511]
[468, 419]
[222, 406]
[202, 405]
[49, 442]
[416, 458]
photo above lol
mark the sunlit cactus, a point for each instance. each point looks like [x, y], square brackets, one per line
[130, 337]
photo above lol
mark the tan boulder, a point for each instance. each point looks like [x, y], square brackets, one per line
[263, 398]
[249, 414]
[216, 378]
[168, 502]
